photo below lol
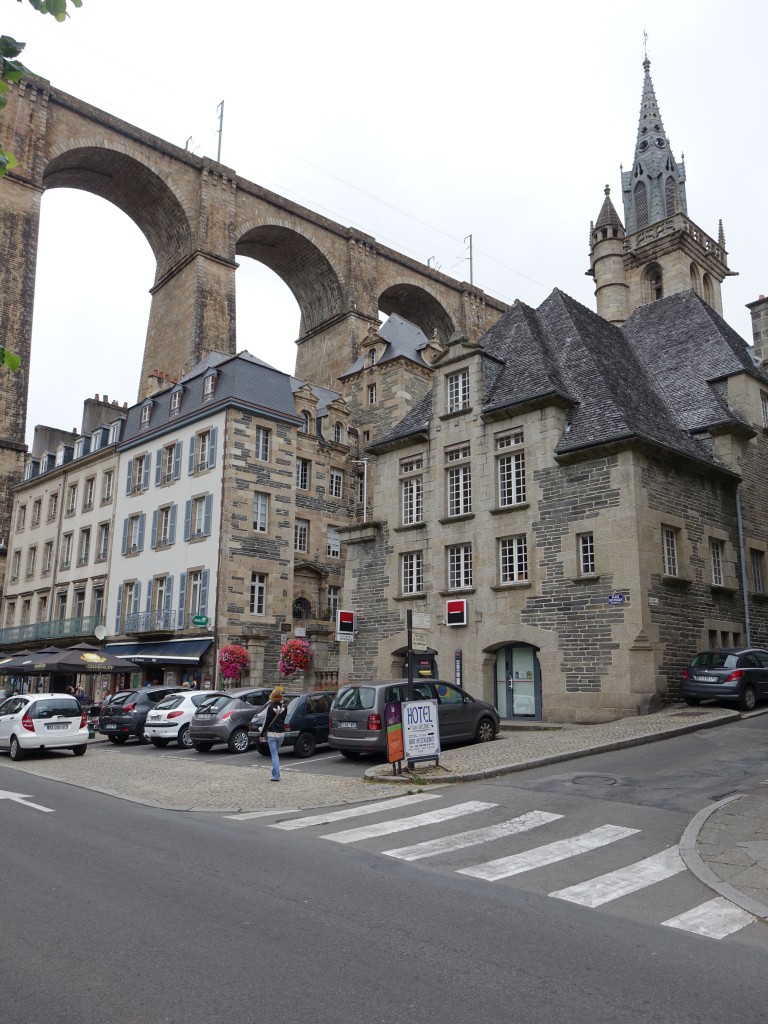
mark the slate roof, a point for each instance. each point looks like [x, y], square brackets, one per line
[404, 341]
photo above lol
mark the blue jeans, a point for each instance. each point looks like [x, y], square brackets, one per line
[275, 741]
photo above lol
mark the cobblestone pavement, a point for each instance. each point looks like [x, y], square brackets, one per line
[726, 844]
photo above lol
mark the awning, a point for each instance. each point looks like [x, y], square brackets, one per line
[167, 652]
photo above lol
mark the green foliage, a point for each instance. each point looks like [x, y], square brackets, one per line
[56, 8]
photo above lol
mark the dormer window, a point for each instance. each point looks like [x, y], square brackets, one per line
[114, 432]
[96, 441]
[307, 423]
[372, 357]
[175, 403]
[337, 433]
[457, 391]
[60, 457]
[209, 383]
[146, 412]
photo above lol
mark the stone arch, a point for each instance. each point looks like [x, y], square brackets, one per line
[420, 307]
[140, 191]
[304, 268]
[695, 279]
[653, 283]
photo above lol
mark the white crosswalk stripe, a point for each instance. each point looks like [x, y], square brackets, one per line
[715, 919]
[504, 867]
[354, 812]
[614, 884]
[386, 828]
[475, 837]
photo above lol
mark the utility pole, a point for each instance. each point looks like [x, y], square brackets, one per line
[220, 109]
[471, 268]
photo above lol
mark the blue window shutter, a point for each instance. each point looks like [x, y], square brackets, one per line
[177, 460]
[204, 592]
[142, 524]
[212, 448]
[168, 594]
[207, 515]
[153, 542]
[148, 606]
[158, 466]
[187, 519]
[136, 598]
[172, 525]
[182, 598]
[191, 455]
[119, 608]
[128, 479]
[125, 536]
[147, 468]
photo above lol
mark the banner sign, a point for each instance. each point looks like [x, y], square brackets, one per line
[394, 718]
[456, 612]
[421, 730]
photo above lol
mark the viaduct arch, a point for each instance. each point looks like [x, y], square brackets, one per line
[198, 217]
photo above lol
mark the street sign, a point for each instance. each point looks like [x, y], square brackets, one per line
[421, 730]
[456, 612]
[615, 599]
[418, 641]
[345, 625]
[199, 620]
[421, 620]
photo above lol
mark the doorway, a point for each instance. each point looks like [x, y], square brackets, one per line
[518, 682]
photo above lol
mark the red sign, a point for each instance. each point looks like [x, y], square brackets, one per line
[345, 622]
[456, 612]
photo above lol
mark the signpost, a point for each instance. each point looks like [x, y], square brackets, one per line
[421, 731]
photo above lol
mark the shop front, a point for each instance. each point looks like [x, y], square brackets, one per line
[169, 662]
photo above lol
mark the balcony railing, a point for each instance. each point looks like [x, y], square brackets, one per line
[78, 626]
[151, 622]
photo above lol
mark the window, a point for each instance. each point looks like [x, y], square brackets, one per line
[372, 357]
[716, 562]
[262, 444]
[97, 603]
[168, 466]
[412, 495]
[586, 546]
[128, 596]
[107, 486]
[333, 546]
[757, 562]
[513, 559]
[164, 527]
[66, 550]
[764, 407]
[138, 474]
[301, 535]
[10, 613]
[53, 506]
[88, 493]
[71, 507]
[334, 601]
[175, 403]
[371, 394]
[37, 511]
[78, 606]
[102, 543]
[460, 566]
[61, 605]
[15, 565]
[209, 384]
[641, 205]
[260, 511]
[202, 451]
[302, 474]
[511, 469]
[31, 559]
[84, 546]
[412, 573]
[258, 593]
[25, 610]
[42, 608]
[47, 557]
[161, 594]
[96, 440]
[337, 430]
[133, 534]
[459, 481]
[336, 483]
[457, 391]
[197, 585]
[669, 550]
[114, 432]
[307, 422]
[197, 517]
[146, 412]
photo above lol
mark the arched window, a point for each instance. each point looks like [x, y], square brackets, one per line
[302, 609]
[641, 205]
[709, 293]
[307, 422]
[695, 281]
[372, 357]
[337, 433]
[653, 283]
[669, 195]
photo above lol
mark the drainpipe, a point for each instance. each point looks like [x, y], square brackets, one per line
[744, 584]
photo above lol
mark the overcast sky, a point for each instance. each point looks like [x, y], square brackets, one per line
[415, 121]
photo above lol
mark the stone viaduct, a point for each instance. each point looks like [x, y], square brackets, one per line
[198, 217]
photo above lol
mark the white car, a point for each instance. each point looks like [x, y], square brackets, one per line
[169, 720]
[42, 721]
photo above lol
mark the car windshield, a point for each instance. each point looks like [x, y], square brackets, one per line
[714, 659]
[214, 703]
[355, 698]
[122, 698]
[170, 702]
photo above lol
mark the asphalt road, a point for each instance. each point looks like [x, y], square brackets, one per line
[113, 912]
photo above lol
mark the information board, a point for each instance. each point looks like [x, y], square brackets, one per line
[421, 730]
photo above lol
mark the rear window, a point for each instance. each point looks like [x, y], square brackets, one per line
[714, 659]
[214, 703]
[169, 702]
[67, 708]
[355, 698]
[122, 698]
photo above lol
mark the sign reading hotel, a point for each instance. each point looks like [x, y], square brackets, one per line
[421, 730]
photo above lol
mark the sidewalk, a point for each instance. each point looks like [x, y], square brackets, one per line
[725, 845]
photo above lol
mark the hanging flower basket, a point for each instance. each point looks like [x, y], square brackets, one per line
[233, 659]
[296, 656]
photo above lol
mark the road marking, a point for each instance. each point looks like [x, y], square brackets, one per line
[20, 798]
[714, 919]
[385, 828]
[354, 812]
[247, 815]
[549, 854]
[433, 847]
[614, 884]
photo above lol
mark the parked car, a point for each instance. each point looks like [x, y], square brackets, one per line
[357, 720]
[169, 719]
[730, 674]
[126, 713]
[306, 723]
[42, 721]
[224, 717]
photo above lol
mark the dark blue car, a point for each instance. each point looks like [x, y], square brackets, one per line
[306, 723]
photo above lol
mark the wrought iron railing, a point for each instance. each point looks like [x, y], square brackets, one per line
[77, 626]
[151, 622]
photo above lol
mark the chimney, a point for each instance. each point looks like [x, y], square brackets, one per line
[759, 312]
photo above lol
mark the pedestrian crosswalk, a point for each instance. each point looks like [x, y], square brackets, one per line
[571, 850]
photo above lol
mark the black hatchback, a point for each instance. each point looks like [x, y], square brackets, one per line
[126, 713]
[731, 674]
[306, 723]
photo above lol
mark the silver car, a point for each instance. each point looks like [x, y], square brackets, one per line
[224, 717]
[357, 721]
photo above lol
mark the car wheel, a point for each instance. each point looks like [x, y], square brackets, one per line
[203, 747]
[485, 731]
[113, 739]
[304, 745]
[692, 702]
[119, 739]
[80, 750]
[747, 700]
[184, 739]
[263, 750]
[238, 742]
[17, 754]
[351, 755]
[159, 741]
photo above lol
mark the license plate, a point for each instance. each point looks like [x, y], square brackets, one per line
[57, 725]
[347, 725]
[204, 718]
[154, 718]
[705, 679]
[110, 726]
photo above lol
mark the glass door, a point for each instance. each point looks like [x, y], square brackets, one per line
[518, 682]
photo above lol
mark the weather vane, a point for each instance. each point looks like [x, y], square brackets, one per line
[645, 44]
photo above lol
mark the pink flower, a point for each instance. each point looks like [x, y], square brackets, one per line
[233, 659]
[296, 656]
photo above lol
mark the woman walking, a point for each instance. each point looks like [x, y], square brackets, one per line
[273, 729]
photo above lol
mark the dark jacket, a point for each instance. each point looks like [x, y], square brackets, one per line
[275, 717]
